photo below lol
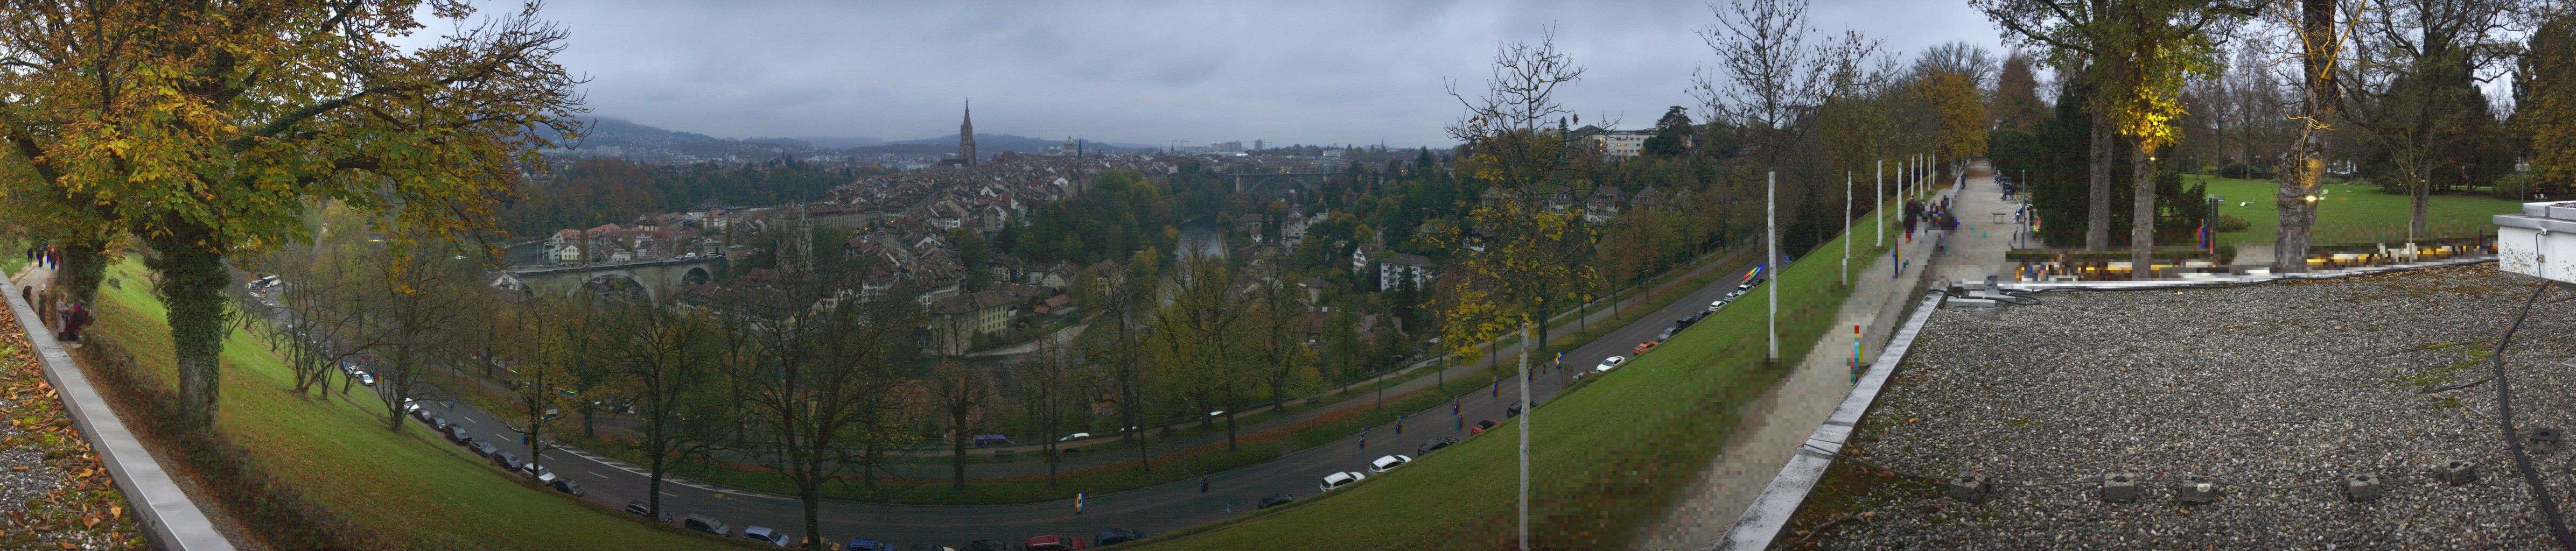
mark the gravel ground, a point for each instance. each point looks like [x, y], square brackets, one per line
[2276, 391]
[54, 493]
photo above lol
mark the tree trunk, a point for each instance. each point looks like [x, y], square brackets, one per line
[2298, 216]
[659, 449]
[2097, 226]
[2142, 221]
[84, 266]
[813, 498]
[192, 285]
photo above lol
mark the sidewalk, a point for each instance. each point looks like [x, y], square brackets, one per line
[1773, 425]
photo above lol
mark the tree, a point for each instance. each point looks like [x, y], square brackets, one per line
[662, 354]
[960, 389]
[205, 129]
[809, 363]
[1121, 296]
[2070, 32]
[553, 336]
[2319, 45]
[2546, 106]
[418, 316]
[1047, 381]
[1198, 329]
[2411, 88]
[320, 298]
[1534, 261]
[1962, 115]
[2016, 104]
[1672, 135]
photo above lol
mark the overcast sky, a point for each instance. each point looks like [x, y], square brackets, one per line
[1286, 72]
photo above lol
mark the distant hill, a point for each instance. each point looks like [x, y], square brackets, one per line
[615, 137]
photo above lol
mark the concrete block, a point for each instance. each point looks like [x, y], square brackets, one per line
[1971, 488]
[2363, 487]
[2120, 488]
[2457, 472]
[2541, 439]
[2195, 490]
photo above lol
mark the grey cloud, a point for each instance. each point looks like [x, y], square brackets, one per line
[1304, 72]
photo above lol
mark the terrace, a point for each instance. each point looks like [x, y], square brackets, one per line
[2277, 394]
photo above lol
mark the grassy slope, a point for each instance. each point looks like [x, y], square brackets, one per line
[1605, 456]
[2350, 213]
[413, 488]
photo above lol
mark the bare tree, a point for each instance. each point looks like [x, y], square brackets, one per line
[1047, 381]
[961, 389]
[2410, 86]
[420, 302]
[1120, 297]
[803, 356]
[662, 353]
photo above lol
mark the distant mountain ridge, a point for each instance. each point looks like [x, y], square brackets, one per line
[615, 137]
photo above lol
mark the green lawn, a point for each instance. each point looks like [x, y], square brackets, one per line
[411, 488]
[1607, 455]
[2351, 213]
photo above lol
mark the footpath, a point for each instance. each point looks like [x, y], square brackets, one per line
[1773, 426]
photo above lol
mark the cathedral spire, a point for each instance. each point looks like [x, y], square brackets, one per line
[966, 135]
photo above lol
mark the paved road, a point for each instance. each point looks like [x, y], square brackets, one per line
[1153, 510]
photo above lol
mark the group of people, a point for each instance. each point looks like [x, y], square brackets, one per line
[45, 256]
[68, 317]
[1931, 214]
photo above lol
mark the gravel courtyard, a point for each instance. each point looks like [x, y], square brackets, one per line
[2277, 392]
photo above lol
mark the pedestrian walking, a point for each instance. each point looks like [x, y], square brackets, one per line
[1399, 424]
[1498, 386]
[1203, 484]
[1077, 503]
[1363, 438]
[1462, 423]
[1453, 406]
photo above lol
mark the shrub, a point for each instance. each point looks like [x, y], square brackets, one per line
[2515, 186]
[2232, 223]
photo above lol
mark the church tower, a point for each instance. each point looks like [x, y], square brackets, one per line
[966, 135]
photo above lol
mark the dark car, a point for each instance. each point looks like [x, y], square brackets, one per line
[1514, 411]
[1116, 535]
[864, 544]
[707, 524]
[566, 485]
[1686, 322]
[504, 459]
[437, 424]
[1433, 444]
[1667, 334]
[456, 433]
[1276, 500]
[639, 507]
[986, 545]
[1482, 426]
[485, 449]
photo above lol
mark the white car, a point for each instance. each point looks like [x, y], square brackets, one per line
[1074, 436]
[1388, 463]
[1337, 480]
[541, 474]
[1720, 303]
[764, 535]
[1609, 362]
[366, 378]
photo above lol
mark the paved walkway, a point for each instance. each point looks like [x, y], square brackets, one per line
[1774, 424]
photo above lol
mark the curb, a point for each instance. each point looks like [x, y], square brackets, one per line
[164, 512]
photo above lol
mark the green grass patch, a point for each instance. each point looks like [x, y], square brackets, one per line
[1607, 455]
[410, 488]
[2351, 213]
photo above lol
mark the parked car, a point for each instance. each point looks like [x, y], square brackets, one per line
[566, 485]
[505, 459]
[1388, 463]
[1434, 443]
[707, 524]
[864, 544]
[1074, 436]
[1609, 362]
[1513, 411]
[764, 535]
[1276, 500]
[1116, 535]
[1718, 304]
[929, 547]
[411, 406]
[437, 424]
[366, 378]
[263, 282]
[542, 474]
[1737, 293]
[1053, 543]
[987, 545]
[639, 507]
[982, 440]
[1688, 321]
[1643, 347]
[1482, 426]
[1340, 479]
[456, 433]
[1667, 334]
[485, 449]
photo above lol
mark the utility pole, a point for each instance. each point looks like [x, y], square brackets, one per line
[1847, 204]
[1878, 203]
[1527, 410]
[1771, 241]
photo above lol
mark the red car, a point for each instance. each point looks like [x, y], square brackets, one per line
[1052, 543]
[1481, 427]
[1645, 346]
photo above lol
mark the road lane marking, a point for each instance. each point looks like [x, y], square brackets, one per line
[597, 475]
